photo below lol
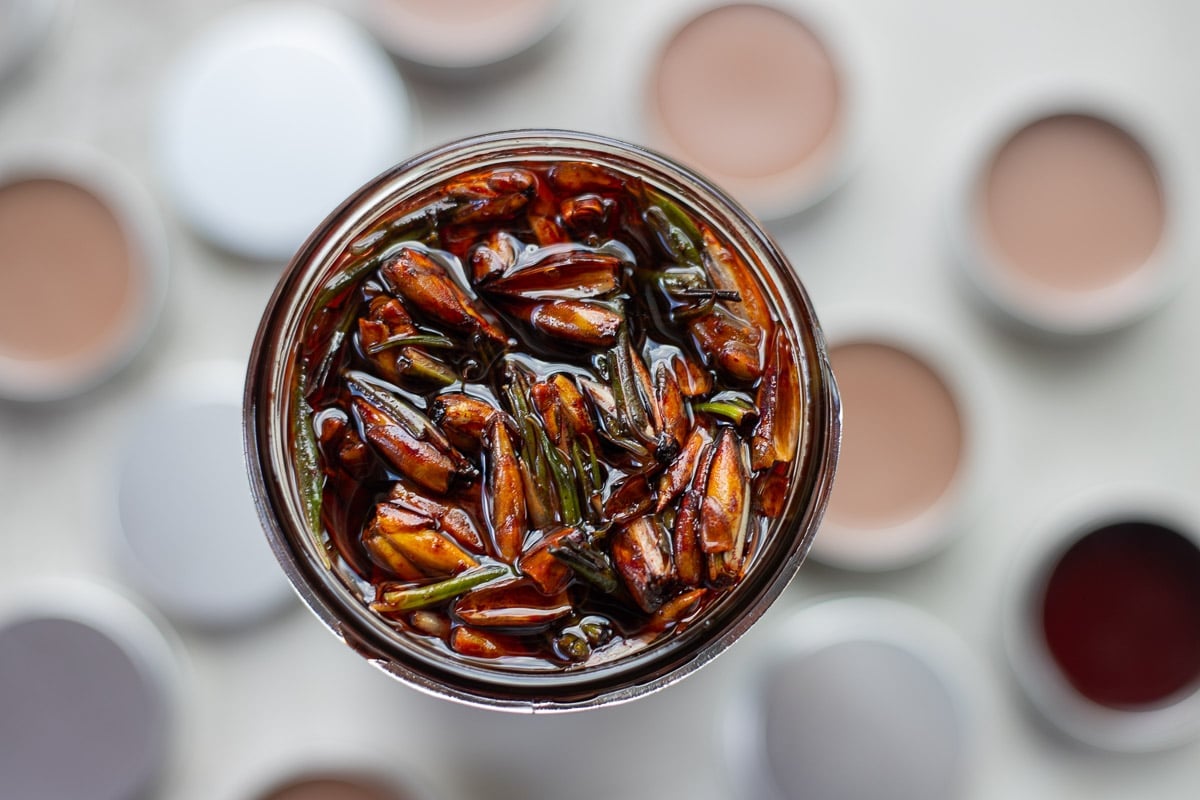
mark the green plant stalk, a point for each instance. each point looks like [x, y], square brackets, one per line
[412, 340]
[372, 252]
[321, 374]
[675, 214]
[517, 390]
[540, 514]
[588, 487]
[422, 596]
[564, 481]
[625, 388]
[617, 424]
[423, 367]
[345, 279]
[590, 564]
[531, 449]
[308, 466]
[414, 421]
[734, 409]
[683, 249]
[594, 465]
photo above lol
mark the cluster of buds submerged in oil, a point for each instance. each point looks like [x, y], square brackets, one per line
[541, 412]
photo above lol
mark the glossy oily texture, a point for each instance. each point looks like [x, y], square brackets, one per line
[778, 91]
[1120, 615]
[548, 314]
[82, 717]
[905, 443]
[89, 283]
[570, 459]
[462, 33]
[332, 788]
[1071, 203]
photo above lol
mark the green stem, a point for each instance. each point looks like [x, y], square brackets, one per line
[591, 565]
[675, 214]
[422, 596]
[366, 243]
[629, 400]
[589, 485]
[375, 248]
[564, 481]
[412, 340]
[413, 421]
[676, 241]
[344, 280]
[517, 392]
[733, 407]
[594, 464]
[320, 375]
[308, 466]
[618, 426]
[422, 367]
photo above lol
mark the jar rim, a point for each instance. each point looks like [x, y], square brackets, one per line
[267, 403]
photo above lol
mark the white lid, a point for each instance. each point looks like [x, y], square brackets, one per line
[189, 535]
[24, 26]
[272, 117]
[87, 688]
[856, 697]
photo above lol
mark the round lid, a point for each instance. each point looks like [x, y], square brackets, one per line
[272, 117]
[862, 698]
[784, 132]
[1067, 214]
[1100, 617]
[104, 285]
[189, 533]
[903, 464]
[85, 692]
[462, 34]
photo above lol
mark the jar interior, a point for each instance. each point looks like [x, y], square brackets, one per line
[336, 594]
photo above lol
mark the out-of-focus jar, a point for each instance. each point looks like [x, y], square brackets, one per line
[271, 403]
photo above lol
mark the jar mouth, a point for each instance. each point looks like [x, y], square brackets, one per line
[268, 405]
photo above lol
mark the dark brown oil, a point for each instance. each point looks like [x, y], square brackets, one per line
[332, 349]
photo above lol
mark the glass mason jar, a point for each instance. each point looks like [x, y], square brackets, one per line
[270, 405]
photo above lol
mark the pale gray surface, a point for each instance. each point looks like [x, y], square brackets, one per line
[1065, 418]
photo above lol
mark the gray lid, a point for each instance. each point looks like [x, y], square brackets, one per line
[861, 703]
[189, 533]
[83, 706]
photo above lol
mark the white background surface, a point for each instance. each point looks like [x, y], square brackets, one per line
[1059, 419]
